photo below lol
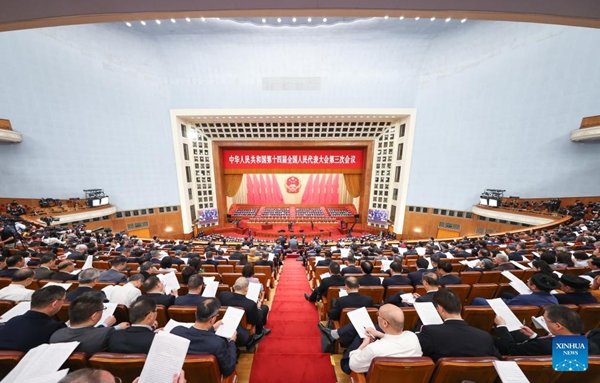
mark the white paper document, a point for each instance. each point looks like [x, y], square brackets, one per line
[170, 281]
[109, 309]
[420, 251]
[65, 286]
[510, 276]
[43, 360]
[502, 310]
[540, 323]
[402, 250]
[449, 255]
[208, 279]
[210, 289]
[253, 291]
[52, 377]
[520, 266]
[343, 293]
[318, 259]
[408, 298]
[171, 324]
[536, 254]
[472, 263]
[520, 287]
[165, 358]
[333, 248]
[385, 265]
[88, 262]
[361, 320]
[17, 310]
[271, 257]
[325, 275]
[427, 313]
[587, 277]
[510, 372]
[231, 320]
[345, 252]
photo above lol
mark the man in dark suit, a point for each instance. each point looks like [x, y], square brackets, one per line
[13, 263]
[445, 278]
[576, 291]
[154, 289]
[560, 321]
[449, 338]
[396, 278]
[416, 276]
[79, 254]
[43, 271]
[193, 297]
[325, 262]
[431, 285]
[115, 273]
[335, 279]
[203, 339]
[518, 253]
[367, 279]
[351, 266]
[65, 268]
[237, 254]
[256, 313]
[139, 336]
[35, 327]
[264, 261]
[502, 263]
[87, 279]
[209, 259]
[352, 300]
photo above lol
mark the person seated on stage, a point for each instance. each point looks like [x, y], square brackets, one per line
[115, 273]
[351, 266]
[448, 339]
[367, 279]
[87, 279]
[335, 279]
[139, 336]
[35, 327]
[396, 278]
[417, 276]
[576, 290]
[43, 270]
[13, 263]
[84, 314]
[325, 262]
[256, 313]
[193, 297]
[17, 290]
[431, 285]
[390, 341]
[444, 271]
[128, 293]
[203, 339]
[560, 321]
[352, 300]
[154, 289]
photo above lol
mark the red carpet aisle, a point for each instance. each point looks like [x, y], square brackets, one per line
[292, 352]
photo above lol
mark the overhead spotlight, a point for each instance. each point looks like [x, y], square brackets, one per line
[128, 24]
[188, 19]
[463, 21]
[173, 21]
[157, 21]
[401, 18]
[203, 19]
[293, 19]
[386, 17]
[448, 19]
[279, 19]
[432, 19]
[264, 20]
[309, 19]
[417, 18]
[324, 19]
[143, 22]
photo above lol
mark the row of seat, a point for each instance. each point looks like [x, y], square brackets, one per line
[537, 369]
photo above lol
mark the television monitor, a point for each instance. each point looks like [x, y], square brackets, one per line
[95, 202]
[493, 202]
[377, 216]
[208, 215]
[483, 201]
[104, 201]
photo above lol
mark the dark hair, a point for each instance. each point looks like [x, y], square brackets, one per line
[565, 258]
[422, 263]
[208, 255]
[166, 262]
[580, 255]
[566, 317]
[118, 260]
[352, 283]
[446, 266]
[137, 277]
[367, 267]
[334, 268]
[187, 272]
[542, 266]
[13, 260]
[84, 306]
[22, 274]
[48, 257]
[151, 283]
[140, 308]
[207, 309]
[195, 281]
[548, 257]
[396, 267]
[430, 278]
[248, 271]
[448, 300]
[43, 297]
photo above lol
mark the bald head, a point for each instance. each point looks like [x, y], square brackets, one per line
[391, 319]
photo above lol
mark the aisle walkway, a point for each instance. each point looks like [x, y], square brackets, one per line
[292, 352]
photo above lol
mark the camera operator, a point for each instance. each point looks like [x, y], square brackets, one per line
[8, 235]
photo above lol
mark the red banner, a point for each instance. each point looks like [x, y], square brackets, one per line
[293, 158]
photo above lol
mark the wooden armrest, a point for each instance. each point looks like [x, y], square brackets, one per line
[356, 377]
[230, 379]
[336, 324]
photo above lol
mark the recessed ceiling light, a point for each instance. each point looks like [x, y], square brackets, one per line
[143, 22]
[417, 18]
[401, 17]
[173, 21]
[324, 19]
[188, 19]
[157, 21]
[309, 19]
[264, 20]
[279, 19]
[432, 19]
[203, 19]
[128, 24]
[386, 17]
[293, 19]
[448, 19]
[463, 21]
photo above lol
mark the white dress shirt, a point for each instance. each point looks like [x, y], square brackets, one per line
[124, 295]
[403, 345]
[17, 293]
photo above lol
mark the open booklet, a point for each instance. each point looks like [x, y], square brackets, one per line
[169, 280]
[502, 310]
[230, 322]
[361, 320]
[40, 364]
[427, 313]
[540, 323]
[165, 358]
[510, 372]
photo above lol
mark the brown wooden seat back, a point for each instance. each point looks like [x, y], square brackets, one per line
[386, 369]
[344, 316]
[204, 369]
[8, 360]
[484, 290]
[161, 316]
[456, 370]
[524, 313]
[209, 268]
[470, 277]
[76, 361]
[402, 289]
[221, 269]
[481, 317]
[461, 291]
[229, 278]
[125, 366]
[375, 292]
[590, 315]
[186, 314]
[490, 277]
[6, 305]
[537, 369]
[410, 318]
